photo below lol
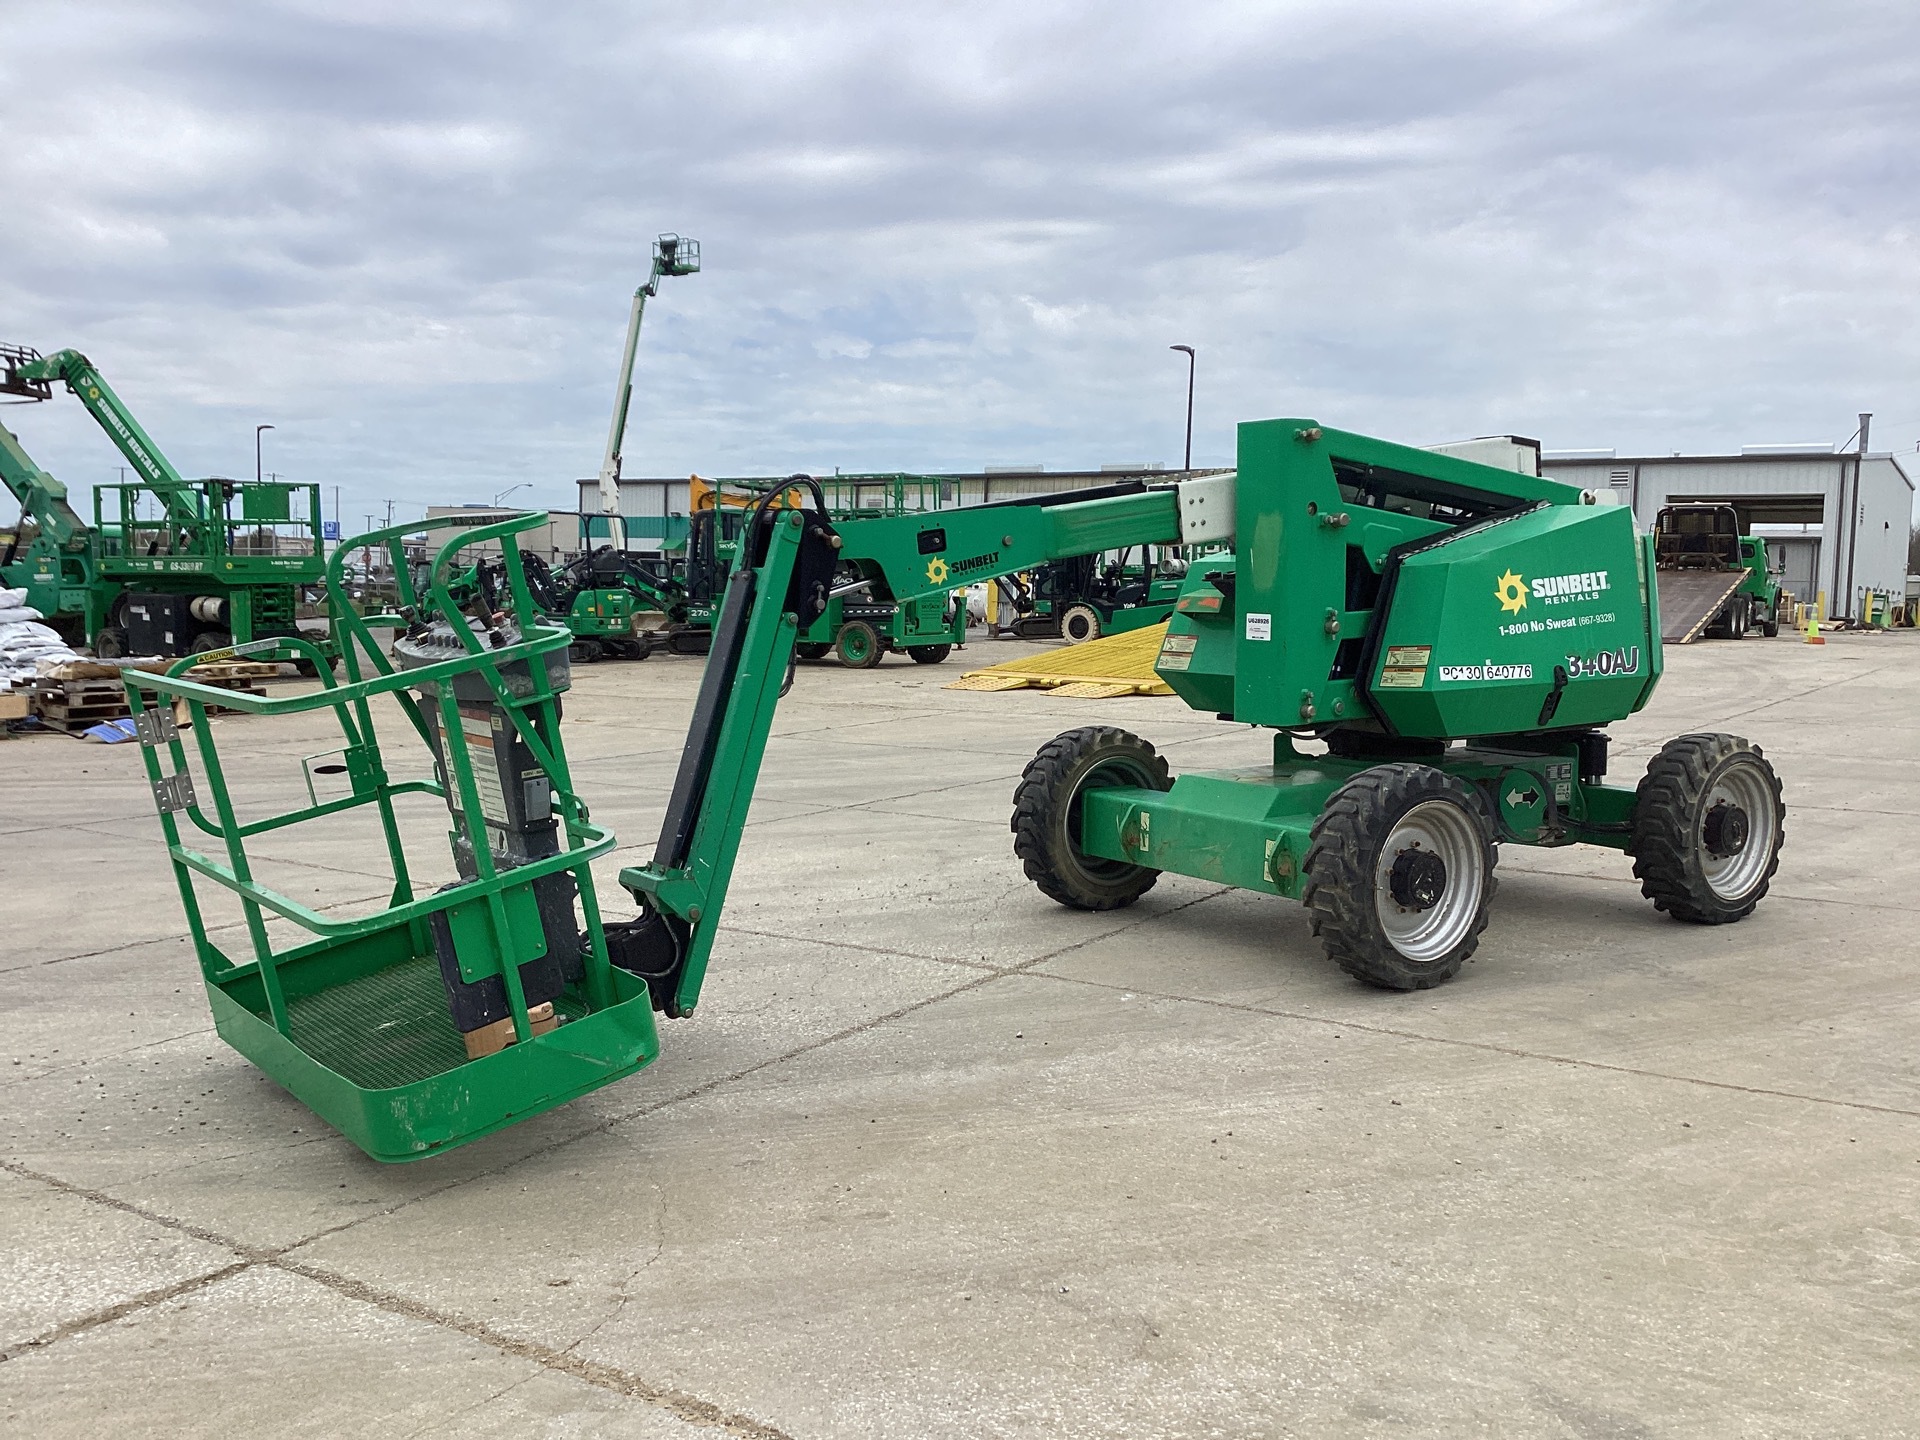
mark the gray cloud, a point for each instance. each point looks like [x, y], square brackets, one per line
[942, 236]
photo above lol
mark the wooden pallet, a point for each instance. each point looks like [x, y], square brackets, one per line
[71, 706]
[222, 671]
[74, 706]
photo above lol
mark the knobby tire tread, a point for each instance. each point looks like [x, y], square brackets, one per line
[1339, 871]
[1044, 793]
[1664, 858]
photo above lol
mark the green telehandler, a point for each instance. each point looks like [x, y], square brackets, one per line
[1436, 645]
[169, 566]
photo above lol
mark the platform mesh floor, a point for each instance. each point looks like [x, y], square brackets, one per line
[388, 1028]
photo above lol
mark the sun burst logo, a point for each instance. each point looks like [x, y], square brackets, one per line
[1511, 592]
[936, 571]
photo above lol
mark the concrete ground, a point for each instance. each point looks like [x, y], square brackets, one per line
[940, 1158]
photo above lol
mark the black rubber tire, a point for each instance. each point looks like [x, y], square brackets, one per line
[310, 669]
[929, 654]
[1670, 820]
[111, 643]
[1046, 815]
[1342, 865]
[1770, 624]
[209, 640]
[859, 645]
[813, 650]
[1079, 624]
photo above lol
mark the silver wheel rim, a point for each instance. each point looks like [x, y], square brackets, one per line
[1443, 829]
[1745, 785]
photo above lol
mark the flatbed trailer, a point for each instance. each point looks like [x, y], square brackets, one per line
[1713, 580]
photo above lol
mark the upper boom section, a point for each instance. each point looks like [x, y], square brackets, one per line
[926, 554]
[183, 502]
[672, 255]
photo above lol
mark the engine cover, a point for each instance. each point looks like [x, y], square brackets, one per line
[1542, 620]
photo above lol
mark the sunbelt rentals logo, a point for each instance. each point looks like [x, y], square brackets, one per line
[1512, 589]
[936, 571]
[1511, 592]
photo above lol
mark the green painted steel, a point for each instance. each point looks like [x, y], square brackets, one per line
[250, 545]
[354, 1020]
[1380, 604]
[695, 890]
[1251, 828]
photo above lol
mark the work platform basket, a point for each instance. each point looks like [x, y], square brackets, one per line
[371, 1020]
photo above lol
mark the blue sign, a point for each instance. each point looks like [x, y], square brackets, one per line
[329, 529]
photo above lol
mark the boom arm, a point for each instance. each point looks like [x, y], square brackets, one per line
[40, 495]
[83, 379]
[907, 556]
[788, 555]
[672, 255]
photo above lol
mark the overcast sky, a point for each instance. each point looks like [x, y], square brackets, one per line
[950, 236]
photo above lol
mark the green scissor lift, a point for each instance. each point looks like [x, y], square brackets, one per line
[1437, 646]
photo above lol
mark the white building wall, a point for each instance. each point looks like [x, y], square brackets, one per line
[1882, 518]
[1866, 506]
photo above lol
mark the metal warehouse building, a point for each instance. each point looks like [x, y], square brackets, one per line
[1837, 519]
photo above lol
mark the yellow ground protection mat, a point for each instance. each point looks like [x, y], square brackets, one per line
[1097, 670]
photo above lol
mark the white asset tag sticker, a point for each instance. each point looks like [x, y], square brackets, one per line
[1260, 627]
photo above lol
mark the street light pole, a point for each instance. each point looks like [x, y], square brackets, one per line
[256, 451]
[1187, 350]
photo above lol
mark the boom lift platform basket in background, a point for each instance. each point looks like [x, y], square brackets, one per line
[364, 1019]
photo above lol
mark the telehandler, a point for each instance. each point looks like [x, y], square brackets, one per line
[1436, 645]
[169, 566]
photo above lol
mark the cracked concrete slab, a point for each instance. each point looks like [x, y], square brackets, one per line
[64, 1258]
[265, 1352]
[938, 1157]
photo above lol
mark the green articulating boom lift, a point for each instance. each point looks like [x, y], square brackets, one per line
[1436, 645]
[168, 566]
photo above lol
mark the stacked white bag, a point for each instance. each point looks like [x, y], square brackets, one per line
[24, 641]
